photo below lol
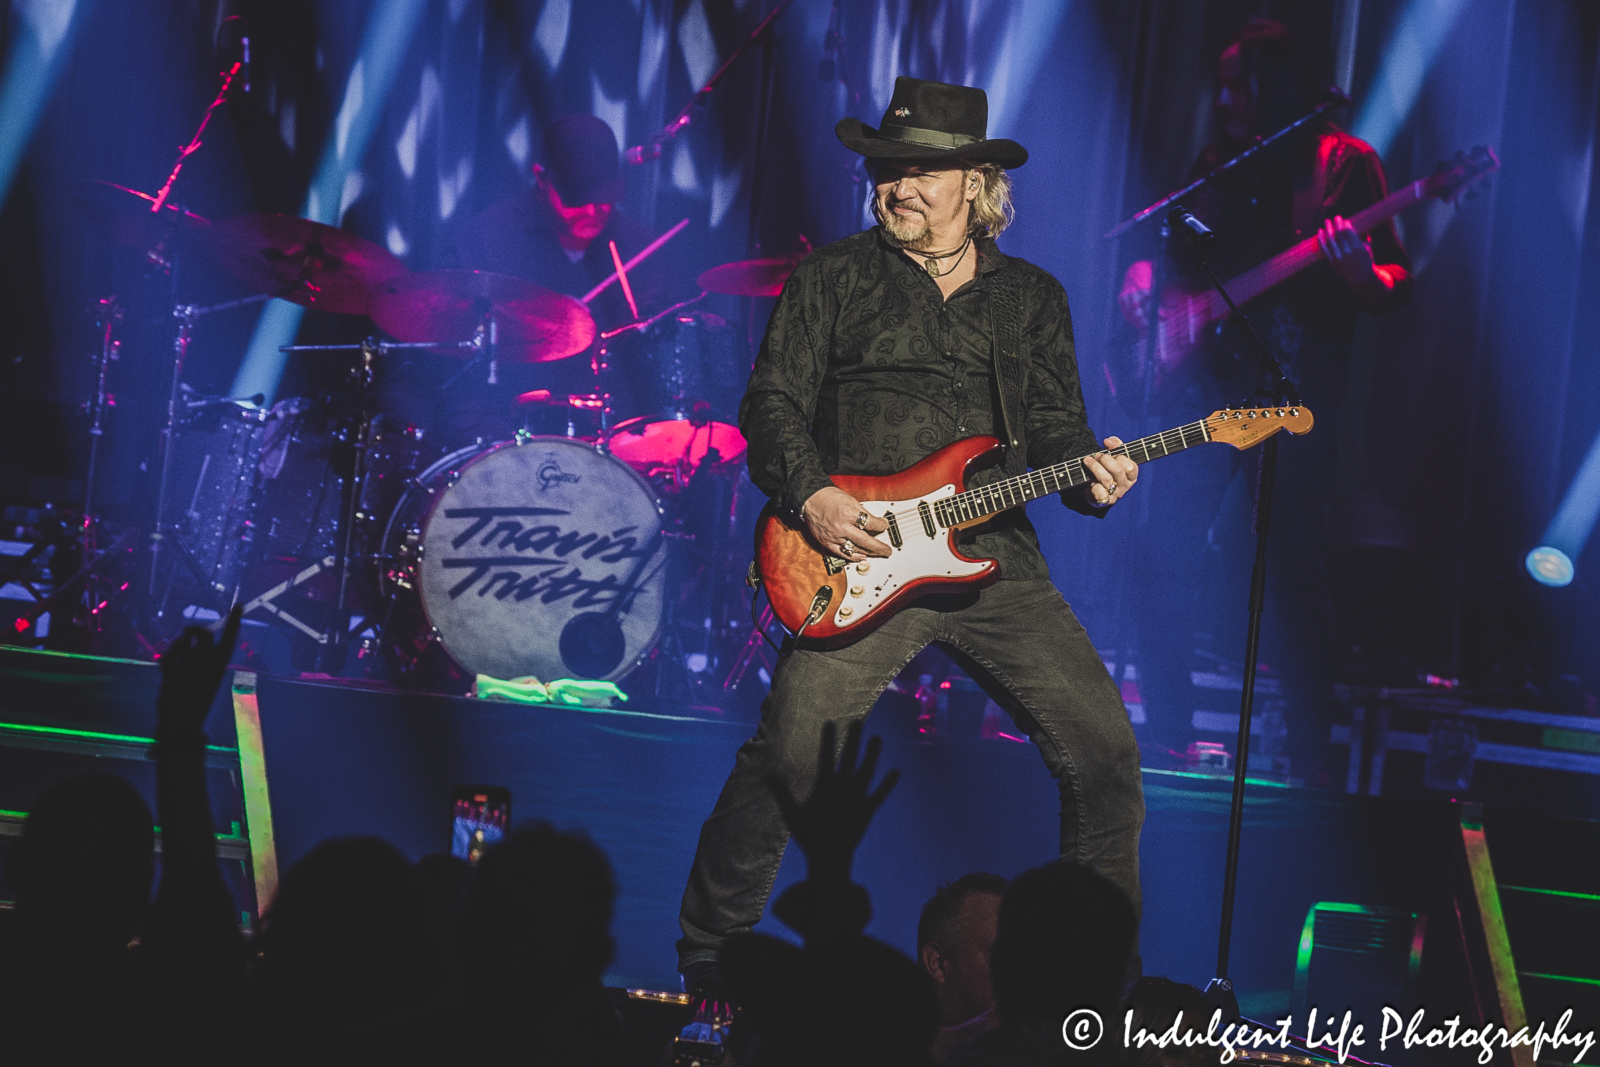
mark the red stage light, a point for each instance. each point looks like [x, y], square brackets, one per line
[22, 626]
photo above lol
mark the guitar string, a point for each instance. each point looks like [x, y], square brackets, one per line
[1074, 477]
[1287, 263]
[1075, 474]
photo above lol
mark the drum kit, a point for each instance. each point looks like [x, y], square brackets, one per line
[371, 549]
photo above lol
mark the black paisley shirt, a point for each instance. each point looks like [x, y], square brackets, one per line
[866, 369]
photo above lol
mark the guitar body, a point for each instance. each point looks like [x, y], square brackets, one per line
[862, 595]
[1181, 329]
[836, 601]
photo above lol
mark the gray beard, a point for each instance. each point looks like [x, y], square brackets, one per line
[907, 231]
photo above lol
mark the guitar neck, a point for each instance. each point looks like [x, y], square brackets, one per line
[1286, 264]
[1014, 492]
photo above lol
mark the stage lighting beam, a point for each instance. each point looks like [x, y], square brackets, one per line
[1411, 50]
[338, 178]
[1554, 561]
[44, 32]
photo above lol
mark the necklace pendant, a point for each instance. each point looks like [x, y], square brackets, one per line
[932, 266]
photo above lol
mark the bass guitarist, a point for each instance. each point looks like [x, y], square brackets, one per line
[883, 348]
[1308, 184]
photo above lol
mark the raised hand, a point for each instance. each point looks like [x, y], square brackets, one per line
[191, 669]
[831, 822]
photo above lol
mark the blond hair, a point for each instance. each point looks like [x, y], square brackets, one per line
[992, 209]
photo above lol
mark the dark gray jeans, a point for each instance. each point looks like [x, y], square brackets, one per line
[1027, 638]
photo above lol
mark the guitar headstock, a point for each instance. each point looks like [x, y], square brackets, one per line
[1450, 177]
[1244, 427]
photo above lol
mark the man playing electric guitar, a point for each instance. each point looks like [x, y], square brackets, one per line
[1309, 184]
[883, 348]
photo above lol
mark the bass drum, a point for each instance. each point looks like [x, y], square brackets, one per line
[538, 556]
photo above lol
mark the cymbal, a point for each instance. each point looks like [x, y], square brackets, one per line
[126, 214]
[534, 324]
[750, 277]
[296, 259]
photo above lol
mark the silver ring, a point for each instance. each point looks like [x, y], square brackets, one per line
[861, 520]
[847, 547]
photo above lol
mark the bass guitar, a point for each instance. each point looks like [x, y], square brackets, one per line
[828, 601]
[1187, 315]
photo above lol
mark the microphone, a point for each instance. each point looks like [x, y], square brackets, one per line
[1199, 234]
[642, 153]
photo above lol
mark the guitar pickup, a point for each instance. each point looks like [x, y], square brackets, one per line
[894, 530]
[927, 518]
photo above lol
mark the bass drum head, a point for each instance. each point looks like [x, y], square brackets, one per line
[544, 558]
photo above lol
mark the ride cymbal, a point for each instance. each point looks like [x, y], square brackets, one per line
[296, 259]
[749, 277]
[534, 324]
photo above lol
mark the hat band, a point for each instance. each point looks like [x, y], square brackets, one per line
[931, 138]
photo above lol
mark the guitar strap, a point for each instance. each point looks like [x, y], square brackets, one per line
[1310, 194]
[1010, 364]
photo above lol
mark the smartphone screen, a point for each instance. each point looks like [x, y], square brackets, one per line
[482, 815]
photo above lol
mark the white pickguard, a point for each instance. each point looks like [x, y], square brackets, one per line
[875, 580]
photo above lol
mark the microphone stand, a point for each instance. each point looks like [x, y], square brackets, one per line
[1336, 98]
[1220, 989]
[653, 148]
[1278, 389]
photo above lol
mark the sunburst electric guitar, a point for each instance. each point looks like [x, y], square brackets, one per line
[830, 601]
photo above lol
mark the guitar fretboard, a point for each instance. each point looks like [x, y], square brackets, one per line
[1208, 307]
[1014, 492]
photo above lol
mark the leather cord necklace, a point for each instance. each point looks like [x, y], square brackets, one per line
[930, 260]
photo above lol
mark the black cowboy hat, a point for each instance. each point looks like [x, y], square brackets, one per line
[581, 160]
[932, 121]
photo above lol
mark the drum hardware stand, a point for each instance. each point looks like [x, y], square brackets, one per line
[336, 636]
[95, 607]
[187, 315]
[107, 315]
[339, 621]
[755, 651]
[268, 601]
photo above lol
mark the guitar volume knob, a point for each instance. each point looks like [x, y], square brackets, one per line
[857, 590]
[863, 568]
[846, 611]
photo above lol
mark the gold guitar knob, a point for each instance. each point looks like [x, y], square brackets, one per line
[862, 568]
[857, 590]
[846, 612]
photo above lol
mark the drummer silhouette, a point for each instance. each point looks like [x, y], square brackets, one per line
[556, 233]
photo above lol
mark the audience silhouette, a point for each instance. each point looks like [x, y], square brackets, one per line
[365, 957]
